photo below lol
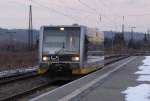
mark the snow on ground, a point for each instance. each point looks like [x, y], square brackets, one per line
[142, 91]
[138, 93]
[143, 78]
[144, 70]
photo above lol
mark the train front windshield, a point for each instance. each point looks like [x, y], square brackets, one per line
[61, 40]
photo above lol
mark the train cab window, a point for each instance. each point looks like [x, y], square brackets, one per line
[62, 41]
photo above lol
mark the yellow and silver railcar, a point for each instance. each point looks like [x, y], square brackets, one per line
[73, 49]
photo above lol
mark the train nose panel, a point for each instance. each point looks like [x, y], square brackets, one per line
[54, 58]
[59, 70]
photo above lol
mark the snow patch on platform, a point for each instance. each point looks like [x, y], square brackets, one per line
[144, 70]
[143, 78]
[142, 91]
[138, 93]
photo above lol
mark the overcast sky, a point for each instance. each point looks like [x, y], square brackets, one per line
[14, 13]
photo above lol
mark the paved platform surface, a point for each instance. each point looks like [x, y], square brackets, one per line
[103, 85]
[111, 88]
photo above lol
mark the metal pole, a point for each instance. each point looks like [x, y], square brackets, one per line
[112, 42]
[30, 30]
[132, 36]
[123, 25]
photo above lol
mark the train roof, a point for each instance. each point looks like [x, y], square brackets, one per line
[75, 25]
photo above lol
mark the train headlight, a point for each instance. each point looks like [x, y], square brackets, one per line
[45, 58]
[62, 29]
[76, 58]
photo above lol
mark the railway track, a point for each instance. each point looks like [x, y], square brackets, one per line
[6, 80]
[14, 91]
[111, 60]
[21, 88]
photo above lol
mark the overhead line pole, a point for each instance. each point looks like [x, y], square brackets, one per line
[123, 25]
[132, 33]
[30, 29]
[132, 39]
[148, 34]
[122, 36]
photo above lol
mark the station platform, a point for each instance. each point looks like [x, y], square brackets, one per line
[107, 84]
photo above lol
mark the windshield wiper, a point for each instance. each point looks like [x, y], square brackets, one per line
[62, 49]
[59, 51]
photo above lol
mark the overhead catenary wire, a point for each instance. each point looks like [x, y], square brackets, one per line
[79, 10]
[35, 3]
[106, 15]
[94, 10]
[91, 10]
[86, 5]
[55, 11]
[38, 4]
[110, 17]
[125, 16]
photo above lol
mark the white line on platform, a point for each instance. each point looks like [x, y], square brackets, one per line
[83, 88]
